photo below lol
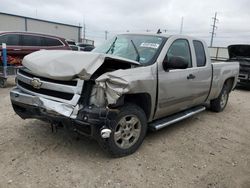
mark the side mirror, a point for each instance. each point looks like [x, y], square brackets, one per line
[174, 63]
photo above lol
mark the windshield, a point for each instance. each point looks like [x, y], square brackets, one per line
[141, 48]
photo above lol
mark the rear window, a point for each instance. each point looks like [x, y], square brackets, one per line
[52, 42]
[30, 40]
[200, 53]
[10, 39]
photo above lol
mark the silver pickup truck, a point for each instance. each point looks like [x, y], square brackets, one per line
[132, 83]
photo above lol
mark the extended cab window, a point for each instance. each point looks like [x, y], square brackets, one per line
[200, 53]
[180, 48]
[10, 39]
[29, 40]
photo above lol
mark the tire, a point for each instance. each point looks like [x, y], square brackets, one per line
[219, 104]
[128, 131]
[3, 82]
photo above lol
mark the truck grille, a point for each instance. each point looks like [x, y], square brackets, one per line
[63, 95]
[245, 70]
[244, 67]
[57, 90]
[70, 83]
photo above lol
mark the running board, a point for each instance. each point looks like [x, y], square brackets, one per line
[159, 124]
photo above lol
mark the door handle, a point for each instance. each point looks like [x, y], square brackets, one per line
[190, 77]
[16, 49]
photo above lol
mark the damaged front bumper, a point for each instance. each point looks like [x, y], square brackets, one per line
[91, 121]
[54, 108]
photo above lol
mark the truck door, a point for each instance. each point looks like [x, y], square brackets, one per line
[179, 89]
[174, 92]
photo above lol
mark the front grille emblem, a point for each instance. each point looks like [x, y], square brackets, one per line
[36, 83]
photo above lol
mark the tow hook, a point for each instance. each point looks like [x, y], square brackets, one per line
[105, 133]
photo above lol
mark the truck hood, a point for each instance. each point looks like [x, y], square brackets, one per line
[67, 65]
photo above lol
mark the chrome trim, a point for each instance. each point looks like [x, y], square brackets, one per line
[50, 106]
[73, 101]
[52, 86]
[160, 126]
[243, 76]
[75, 90]
[18, 96]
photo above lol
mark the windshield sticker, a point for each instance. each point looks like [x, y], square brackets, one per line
[149, 45]
[142, 59]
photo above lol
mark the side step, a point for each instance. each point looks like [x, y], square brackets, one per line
[159, 124]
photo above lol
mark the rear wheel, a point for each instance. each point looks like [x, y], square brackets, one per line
[218, 104]
[128, 131]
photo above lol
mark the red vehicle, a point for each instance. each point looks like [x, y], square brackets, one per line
[20, 44]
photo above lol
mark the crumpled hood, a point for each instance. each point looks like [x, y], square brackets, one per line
[67, 65]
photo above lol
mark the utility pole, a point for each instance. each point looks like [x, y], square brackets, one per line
[215, 20]
[106, 35]
[182, 21]
[84, 31]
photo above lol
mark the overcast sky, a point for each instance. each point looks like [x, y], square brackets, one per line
[119, 16]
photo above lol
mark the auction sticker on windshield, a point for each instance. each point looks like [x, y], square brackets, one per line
[149, 45]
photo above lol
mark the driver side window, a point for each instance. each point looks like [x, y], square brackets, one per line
[180, 48]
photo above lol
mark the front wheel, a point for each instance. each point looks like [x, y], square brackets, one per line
[128, 131]
[218, 104]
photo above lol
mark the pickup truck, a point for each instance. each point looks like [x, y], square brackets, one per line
[241, 53]
[130, 84]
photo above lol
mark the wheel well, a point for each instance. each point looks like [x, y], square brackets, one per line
[143, 100]
[229, 82]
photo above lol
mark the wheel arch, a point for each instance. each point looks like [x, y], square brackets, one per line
[143, 100]
[230, 83]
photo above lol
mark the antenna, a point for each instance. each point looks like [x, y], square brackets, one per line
[159, 31]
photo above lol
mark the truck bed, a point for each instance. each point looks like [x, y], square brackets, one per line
[222, 70]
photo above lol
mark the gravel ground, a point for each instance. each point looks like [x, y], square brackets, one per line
[207, 150]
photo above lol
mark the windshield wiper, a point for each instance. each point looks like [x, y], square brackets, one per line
[136, 50]
[112, 46]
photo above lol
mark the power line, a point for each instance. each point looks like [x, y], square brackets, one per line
[215, 20]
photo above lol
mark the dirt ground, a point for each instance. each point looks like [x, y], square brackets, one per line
[207, 150]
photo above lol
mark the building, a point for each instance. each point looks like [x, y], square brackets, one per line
[11, 22]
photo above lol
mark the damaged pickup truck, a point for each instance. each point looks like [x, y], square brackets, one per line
[132, 83]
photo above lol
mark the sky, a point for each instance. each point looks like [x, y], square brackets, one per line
[120, 16]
